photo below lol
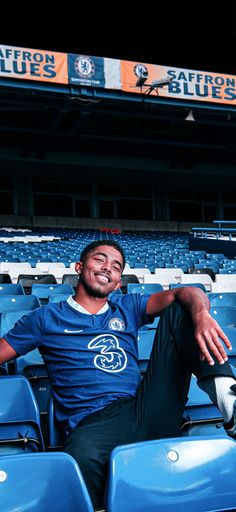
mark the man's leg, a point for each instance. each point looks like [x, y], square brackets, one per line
[163, 392]
[94, 439]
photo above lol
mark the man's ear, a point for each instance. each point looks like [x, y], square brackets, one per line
[78, 266]
[119, 284]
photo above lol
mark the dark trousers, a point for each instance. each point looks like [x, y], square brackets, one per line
[157, 409]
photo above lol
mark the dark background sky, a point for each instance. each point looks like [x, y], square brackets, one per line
[194, 35]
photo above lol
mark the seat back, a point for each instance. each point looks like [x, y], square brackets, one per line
[18, 302]
[43, 291]
[11, 289]
[148, 288]
[20, 428]
[180, 474]
[196, 285]
[222, 299]
[27, 280]
[145, 343]
[225, 316]
[32, 366]
[9, 318]
[42, 481]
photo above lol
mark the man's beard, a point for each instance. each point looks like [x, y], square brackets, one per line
[91, 291]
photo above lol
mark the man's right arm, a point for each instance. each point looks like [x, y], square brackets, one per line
[6, 351]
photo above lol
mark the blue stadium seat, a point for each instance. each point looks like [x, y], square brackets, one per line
[145, 343]
[42, 481]
[27, 280]
[9, 318]
[222, 299]
[201, 416]
[11, 289]
[18, 302]
[42, 291]
[31, 366]
[148, 288]
[197, 285]
[178, 474]
[225, 316]
[20, 429]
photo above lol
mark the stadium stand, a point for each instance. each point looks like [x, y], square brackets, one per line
[201, 418]
[171, 263]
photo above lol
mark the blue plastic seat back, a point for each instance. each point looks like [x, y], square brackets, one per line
[32, 366]
[176, 474]
[9, 318]
[42, 481]
[222, 299]
[42, 291]
[225, 316]
[18, 302]
[145, 343]
[19, 414]
[197, 285]
[231, 334]
[148, 288]
[11, 289]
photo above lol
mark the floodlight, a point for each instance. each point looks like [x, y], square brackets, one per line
[160, 82]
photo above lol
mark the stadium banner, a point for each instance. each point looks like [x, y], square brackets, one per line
[178, 83]
[86, 70]
[29, 64]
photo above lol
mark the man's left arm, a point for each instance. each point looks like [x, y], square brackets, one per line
[206, 330]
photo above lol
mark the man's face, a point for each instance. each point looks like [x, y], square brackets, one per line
[101, 271]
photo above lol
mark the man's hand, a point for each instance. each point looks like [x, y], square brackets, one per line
[207, 333]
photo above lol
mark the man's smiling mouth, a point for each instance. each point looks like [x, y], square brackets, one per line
[103, 278]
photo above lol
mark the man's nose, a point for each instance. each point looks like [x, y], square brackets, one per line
[106, 266]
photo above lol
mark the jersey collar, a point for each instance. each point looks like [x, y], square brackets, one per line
[80, 308]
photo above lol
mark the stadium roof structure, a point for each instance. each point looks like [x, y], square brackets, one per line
[62, 124]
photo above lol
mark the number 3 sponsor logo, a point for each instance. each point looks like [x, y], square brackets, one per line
[112, 357]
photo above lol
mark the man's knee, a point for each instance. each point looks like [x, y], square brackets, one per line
[174, 315]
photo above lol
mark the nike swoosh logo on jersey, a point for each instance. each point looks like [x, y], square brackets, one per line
[71, 332]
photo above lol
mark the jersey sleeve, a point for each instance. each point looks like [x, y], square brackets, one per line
[26, 335]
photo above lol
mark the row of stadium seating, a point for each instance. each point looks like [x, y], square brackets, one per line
[31, 442]
[204, 449]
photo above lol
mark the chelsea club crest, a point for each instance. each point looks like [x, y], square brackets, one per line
[116, 324]
[84, 66]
